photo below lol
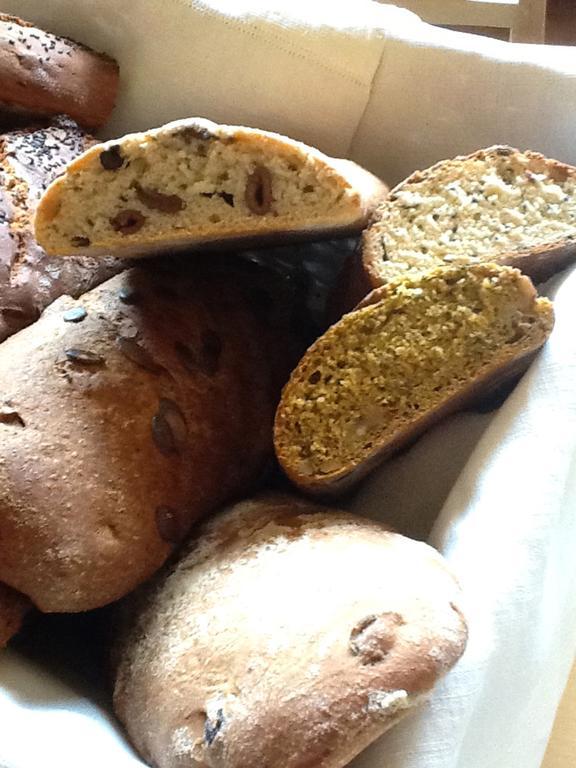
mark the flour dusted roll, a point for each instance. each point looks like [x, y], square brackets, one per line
[124, 416]
[286, 636]
[194, 182]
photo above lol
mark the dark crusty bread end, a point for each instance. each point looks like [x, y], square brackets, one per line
[30, 159]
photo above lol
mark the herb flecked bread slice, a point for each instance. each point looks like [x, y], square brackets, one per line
[414, 351]
[192, 182]
[497, 205]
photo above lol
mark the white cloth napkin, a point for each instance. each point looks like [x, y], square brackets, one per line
[508, 528]
[373, 82]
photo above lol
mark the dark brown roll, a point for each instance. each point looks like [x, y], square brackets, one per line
[30, 159]
[42, 74]
[125, 416]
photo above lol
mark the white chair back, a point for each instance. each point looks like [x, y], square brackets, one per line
[526, 19]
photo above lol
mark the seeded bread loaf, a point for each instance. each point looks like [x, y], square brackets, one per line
[124, 416]
[415, 350]
[29, 160]
[13, 608]
[287, 635]
[496, 205]
[44, 74]
[192, 182]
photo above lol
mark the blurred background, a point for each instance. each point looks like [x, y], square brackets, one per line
[520, 21]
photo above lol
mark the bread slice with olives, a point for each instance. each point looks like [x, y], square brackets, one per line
[194, 182]
[415, 350]
[496, 205]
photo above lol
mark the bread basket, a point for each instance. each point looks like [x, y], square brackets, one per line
[495, 492]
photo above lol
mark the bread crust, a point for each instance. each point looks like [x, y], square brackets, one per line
[329, 485]
[538, 263]
[29, 160]
[361, 189]
[42, 74]
[258, 648]
[508, 364]
[13, 609]
[124, 416]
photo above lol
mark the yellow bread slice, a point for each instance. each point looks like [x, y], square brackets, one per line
[415, 350]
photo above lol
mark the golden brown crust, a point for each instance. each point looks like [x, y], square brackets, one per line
[124, 416]
[361, 190]
[538, 263]
[13, 609]
[43, 74]
[259, 649]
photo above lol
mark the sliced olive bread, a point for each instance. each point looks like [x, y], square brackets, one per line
[192, 182]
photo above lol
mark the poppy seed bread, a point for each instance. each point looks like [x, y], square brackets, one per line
[496, 205]
[287, 635]
[416, 349]
[194, 182]
[42, 74]
[124, 416]
[30, 159]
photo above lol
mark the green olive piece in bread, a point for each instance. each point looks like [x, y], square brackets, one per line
[414, 351]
